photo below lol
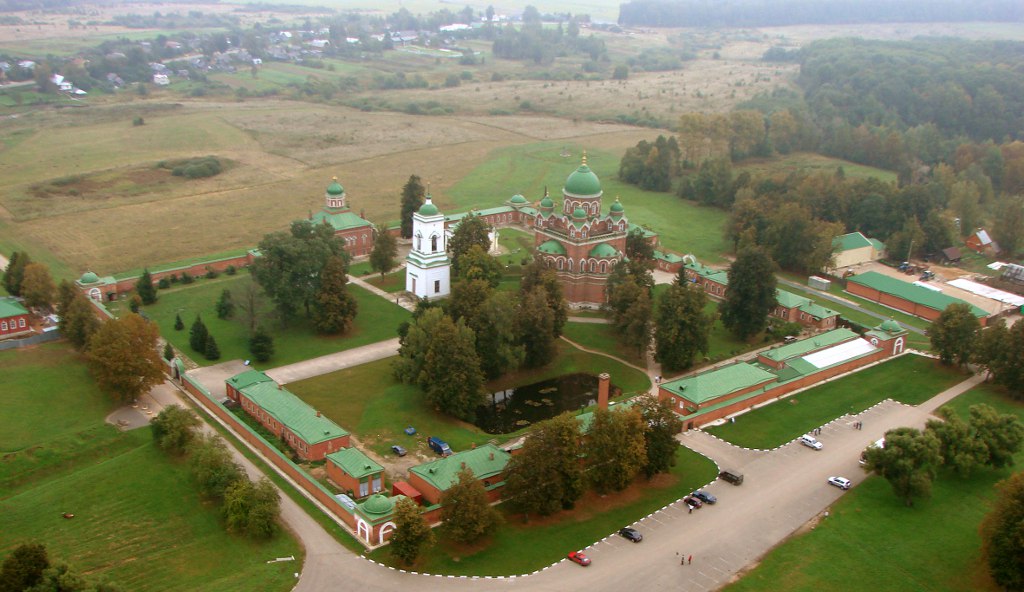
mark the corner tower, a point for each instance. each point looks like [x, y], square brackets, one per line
[428, 269]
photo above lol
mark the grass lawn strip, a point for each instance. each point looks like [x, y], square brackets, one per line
[376, 321]
[593, 519]
[601, 337]
[909, 379]
[938, 546]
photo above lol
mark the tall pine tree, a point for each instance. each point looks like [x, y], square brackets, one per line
[412, 199]
[145, 289]
[197, 335]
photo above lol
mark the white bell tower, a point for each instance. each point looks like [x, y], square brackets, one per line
[428, 269]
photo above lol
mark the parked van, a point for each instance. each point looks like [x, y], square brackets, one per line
[731, 476]
[880, 443]
[439, 446]
[810, 442]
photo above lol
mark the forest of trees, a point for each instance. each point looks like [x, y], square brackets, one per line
[765, 13]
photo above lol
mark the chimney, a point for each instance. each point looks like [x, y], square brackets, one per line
[604, 382]
[318, 414]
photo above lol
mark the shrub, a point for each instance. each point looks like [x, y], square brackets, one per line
[138, 121]
[211, 273]
[231, 270]
[164, 283]
[187, 278]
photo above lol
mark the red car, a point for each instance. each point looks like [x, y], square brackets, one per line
[579, 557]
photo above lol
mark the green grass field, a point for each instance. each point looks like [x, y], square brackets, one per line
[810, 162]
[138, 519]
[369, 402]
[909, 379]
[376, 321]
[595, 517]
[391, 283]
[602, 337]
[937, 547]
[684, 226]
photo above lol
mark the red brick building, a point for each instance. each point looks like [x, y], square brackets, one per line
[311, 435]
[707, 396]
[15, 319]
[357, 232]
[487, 462]
[353, 471]
[906, 297]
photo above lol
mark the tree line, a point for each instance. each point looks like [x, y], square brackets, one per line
[763, 13]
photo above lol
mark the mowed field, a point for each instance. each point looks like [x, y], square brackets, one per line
[138, 519]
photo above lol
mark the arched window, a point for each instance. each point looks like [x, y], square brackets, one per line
[559, 264]
[593, 265]
[570, 264]
[419, 242]
[433, 244]
[604, 267]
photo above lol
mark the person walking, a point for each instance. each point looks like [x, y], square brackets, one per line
[682, 560]
[689, 509]
[689, 560]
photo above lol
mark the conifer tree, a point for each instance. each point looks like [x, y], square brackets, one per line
[197, 335]
[211, 351]
[15, 272]
[145, 289]
[261, 345]
[168, 351]
[225, 306]
[178, 323]
[412, 199]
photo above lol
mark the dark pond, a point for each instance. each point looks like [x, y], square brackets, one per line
[509, 410]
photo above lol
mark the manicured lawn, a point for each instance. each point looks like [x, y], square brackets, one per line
[47, 394]
[594, 518]
[377, 320]
[138, 519]
[392, 282]
[909, 379]
[602, 337]
[518, 246]
[368, 401]
[937, 547]
[684, 226]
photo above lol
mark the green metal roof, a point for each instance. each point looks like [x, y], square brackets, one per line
[848, 242]
[806, 346]
[248, 378]
[818, 311]
[547, 202]
[789, 299]
[340, 220]
[716, 383]
[616, 207]
[517, 199]
[377, 504]
[428, 208]
[716, 275]
[354, 462]
[603, 250]
[9, 307]
[293, 412]
[88, 278]
[877, 244]
[648, 233]
[495, 210]
[582, 181]
[916, 294]
[485, 461]
[670, 257]
[552, 247]
[335, 188]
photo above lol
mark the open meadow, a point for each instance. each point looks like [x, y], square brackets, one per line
[139, 521]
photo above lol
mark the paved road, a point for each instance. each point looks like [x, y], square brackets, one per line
[783, 490]
[336, 361]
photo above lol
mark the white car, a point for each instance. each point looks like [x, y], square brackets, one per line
[840, 482]
[810, 442]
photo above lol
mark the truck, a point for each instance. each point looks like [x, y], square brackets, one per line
[439, 446]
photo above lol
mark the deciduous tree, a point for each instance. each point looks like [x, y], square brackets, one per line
[24, 567]
[335, 309]
[174, 429]
[615, 449]
[546, 475]
[411, 531]
[999, 434]
[1001, 534]
[908, 461]
[78, 321]
[124, 359]
[1001, 350]
[385, 249]
[252, 508]
[37, 286]
[465, 510]
[536, 274]
[661, 425]
[291, 263]
[496, 339]
[535, 325]
[751, 294]
[477, 264]
[412, 199]
[472, 231]
[954, 335]
[212, 466]
[960, 451]
[682, 328]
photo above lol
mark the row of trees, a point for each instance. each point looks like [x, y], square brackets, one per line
[30, 280]
[958, 338]
[911, 458]
[247, 508]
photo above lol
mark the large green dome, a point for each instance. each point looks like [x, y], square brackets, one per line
[552, 247]
[603, 250]
[89, 278]
[335, 188]
[517, 199]
[583, 181]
